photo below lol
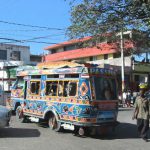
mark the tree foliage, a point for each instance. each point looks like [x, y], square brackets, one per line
[95, 17]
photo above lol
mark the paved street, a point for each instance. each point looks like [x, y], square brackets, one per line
[23, 136]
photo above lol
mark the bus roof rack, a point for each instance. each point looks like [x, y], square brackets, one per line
[64, 64]
[59, 64]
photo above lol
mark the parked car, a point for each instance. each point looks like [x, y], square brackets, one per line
[5, 115]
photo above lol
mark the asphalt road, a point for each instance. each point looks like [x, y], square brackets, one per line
[30, 136]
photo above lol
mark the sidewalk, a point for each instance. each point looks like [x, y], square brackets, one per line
[126, 108]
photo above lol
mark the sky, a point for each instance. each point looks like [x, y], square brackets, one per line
[35, 23]
[52, 17]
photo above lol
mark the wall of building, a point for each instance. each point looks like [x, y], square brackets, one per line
[113, 61]
[141, 67]
[60, 50]
[13, 56]
[11, 49]
[100, 57]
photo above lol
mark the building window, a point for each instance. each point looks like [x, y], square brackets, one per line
[15, 55]
[116, 55]
[69, 47]
[53, 51]
[136, 78]
[3, 54]
[106, 56]
[93, 58]
[35, 58]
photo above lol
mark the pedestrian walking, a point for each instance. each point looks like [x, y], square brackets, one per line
[128, 98]
[142, 113]
[124, 96]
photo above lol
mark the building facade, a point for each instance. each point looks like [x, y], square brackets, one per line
[106, 53]
[12, 56]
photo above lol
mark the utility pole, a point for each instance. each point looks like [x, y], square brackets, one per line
[3, 82]
[122, 63]
[122, 57]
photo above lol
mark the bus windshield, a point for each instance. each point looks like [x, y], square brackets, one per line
[18, 84]
[105, 88]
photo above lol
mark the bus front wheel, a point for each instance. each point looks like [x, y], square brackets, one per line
[19, 114]
[54, 124]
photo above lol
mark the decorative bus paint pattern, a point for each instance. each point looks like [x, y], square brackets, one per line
[79, 108]
[83, 70]
[76, 109]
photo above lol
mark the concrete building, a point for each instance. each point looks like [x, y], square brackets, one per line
[12, 56]
[107, 54]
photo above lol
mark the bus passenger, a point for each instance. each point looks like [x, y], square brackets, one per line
[107, 94]
[60, 89]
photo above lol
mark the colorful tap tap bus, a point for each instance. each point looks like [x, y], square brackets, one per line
[73, 97]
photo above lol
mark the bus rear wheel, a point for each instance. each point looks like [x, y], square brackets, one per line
[54, 124]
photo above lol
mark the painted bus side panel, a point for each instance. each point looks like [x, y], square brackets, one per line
[84, 91]
[71, 109]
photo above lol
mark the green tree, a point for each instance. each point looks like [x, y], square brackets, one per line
[96, 17]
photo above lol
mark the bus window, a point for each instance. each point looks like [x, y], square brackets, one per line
[35, 87]
[51, 88]
[72, 88]
[54, 88]
[48, 88]
[105, 88]
[60, 88]
[66, 89]
[19, 84]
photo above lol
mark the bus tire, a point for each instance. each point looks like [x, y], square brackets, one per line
[54, 124]
[81, 131]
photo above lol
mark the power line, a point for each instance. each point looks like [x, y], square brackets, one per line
[24, 30]
[33, 26]
[46, 37]
[34, 38]
[23, 41]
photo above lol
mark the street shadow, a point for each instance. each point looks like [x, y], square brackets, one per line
[18, 133]
[122, 131]
[126, 131]
[63, 131]
[126, 109]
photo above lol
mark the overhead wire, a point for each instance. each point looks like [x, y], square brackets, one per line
[33, 38]
[32, 26]
[23, 41]
[40, 28]
[45, 28]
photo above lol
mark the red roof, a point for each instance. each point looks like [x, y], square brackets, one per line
[104, 48]
[67, 43]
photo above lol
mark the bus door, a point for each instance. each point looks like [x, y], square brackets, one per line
[105, 98]
[18, 88]
[34, 103]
